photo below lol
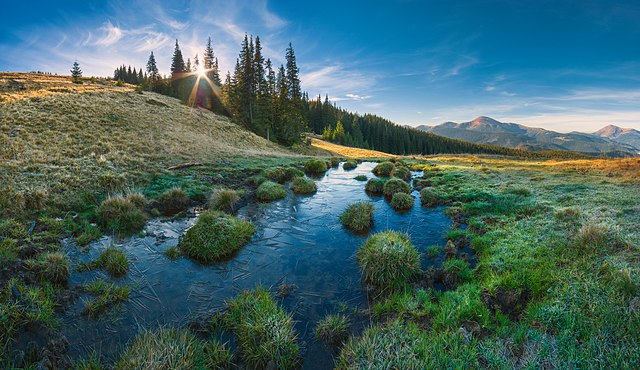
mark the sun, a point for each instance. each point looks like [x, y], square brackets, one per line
[201, 70]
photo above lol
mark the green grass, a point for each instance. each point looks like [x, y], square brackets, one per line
[223, 200]
[264, 331]
[173, 201]
[349, 165]
[394, 186]
[303, 185]
[216, 236]
[358, 216]
[113, 260]
[107, 295]
[335, 161]
[333, 329]
[53, 267]
[315, 167]
[269, 190]
[89, 234]
[401, 173]
[419, 184]
[122, 214]
[361, 178]
[8, 252]
[383, 169]
[388, 260]
[167, 348]
[401, 201]
[375, 186]
[173, 253]
[433, 197]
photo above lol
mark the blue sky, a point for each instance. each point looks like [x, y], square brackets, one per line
[562, 65]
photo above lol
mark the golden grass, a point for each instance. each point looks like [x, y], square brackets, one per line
[56, 135]
[346, 151]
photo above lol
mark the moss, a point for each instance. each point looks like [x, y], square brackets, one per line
[388, 259]
[223, 200]
[315, 166]
[114, 261]
[375, 186]
[303, 185]
[395, 345]
[394, 186]
[54, 267]
[264, 331]
[333, 329]
[8, 252]
[401, 173]
[122, 214]
[173, 201]
[361, 178]
[349, 165]
[383, 169]
[430, 197]
[402, 201]
[107, 295]
[358, 216]
[173, 349]
[269, 191]
[215, 236]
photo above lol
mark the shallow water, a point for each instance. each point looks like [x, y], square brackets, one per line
[299, 240]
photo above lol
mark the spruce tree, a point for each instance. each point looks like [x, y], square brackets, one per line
[210, 63]
[196, 63]
[177, 62]
[293, 78]
[76, 73]
[153, 73]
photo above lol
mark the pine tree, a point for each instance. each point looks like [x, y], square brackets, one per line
[293, 79]
[153, 73]
[76, 73]
[210, 63]
[177, 62]
[187, 68]
[196, 63]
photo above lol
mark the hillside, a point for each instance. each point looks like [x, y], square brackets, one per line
[58, 135]
[627, 136]
[485, 130]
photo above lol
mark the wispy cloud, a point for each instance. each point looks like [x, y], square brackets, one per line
[111, 34]
[338, 80]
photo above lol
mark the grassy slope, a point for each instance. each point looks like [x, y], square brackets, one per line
[57, 136]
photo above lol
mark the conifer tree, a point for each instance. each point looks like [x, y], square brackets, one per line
[76, 73]
[210, 63]
[196, 63]
[177, 62]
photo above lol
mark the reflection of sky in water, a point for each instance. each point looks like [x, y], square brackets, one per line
[299, 240]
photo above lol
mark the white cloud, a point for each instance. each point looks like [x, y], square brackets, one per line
[111, 34]
[338, 80]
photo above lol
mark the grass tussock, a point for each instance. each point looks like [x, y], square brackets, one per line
[333, 329]
[113, 260]
[358, 216]
[361, 178]
[167, 348]
[107, 295]
[401, 201]
[122, 214]
[419, 184]
[264, 331]
[315, 167]
[375, 186]
[216, 236]
[303, 185]
[223, 200]
[349, 165]
[394, 186]
[432, 197]
[383, 169]
[388, 259]
[173, 201]
[53, 267]
[401, 172]
[269, 191]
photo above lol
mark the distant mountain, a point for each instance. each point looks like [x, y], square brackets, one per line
[486, 130]
[627, 136]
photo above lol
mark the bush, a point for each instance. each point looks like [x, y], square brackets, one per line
[401, 173]
[375, 186]
[173, 201]
[358, 216]
[431, 197]
[270, 190]
[114, 261]
[303, 185]
[419, 184]
[395, 345]
[315, 166]
[122, 214]
[383, 169]
[265, 331]
[223, 200]
[215, 236]
[349, 165]
[173, 349]
[401, 201]
[54, 267]
[388, 259]
[360, 178]
[333, 329]
[394, 186]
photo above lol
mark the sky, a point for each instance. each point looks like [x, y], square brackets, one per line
[559, 64]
